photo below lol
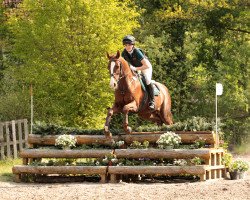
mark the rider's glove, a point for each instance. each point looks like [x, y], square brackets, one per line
[132, 68]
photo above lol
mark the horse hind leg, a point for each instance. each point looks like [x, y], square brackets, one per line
[166, 114]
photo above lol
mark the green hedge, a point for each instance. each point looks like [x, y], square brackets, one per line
[192, 124]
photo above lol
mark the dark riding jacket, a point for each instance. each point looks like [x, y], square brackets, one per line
[135, 58]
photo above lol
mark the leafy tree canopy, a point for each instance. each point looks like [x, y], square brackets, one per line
[61, 50]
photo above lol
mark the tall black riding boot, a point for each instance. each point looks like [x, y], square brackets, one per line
[151, 96]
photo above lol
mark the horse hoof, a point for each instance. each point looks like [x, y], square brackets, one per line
[129, 130]
[108, 134]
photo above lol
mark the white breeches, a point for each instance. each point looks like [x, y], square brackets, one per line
[148, 73]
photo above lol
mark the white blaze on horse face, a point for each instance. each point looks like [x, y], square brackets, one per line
[113, 83]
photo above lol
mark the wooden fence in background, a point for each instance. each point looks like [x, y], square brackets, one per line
[13, 137]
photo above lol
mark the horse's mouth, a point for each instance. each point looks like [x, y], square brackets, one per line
[113, 84]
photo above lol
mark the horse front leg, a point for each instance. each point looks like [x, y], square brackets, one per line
[111, 112]
[131, 107]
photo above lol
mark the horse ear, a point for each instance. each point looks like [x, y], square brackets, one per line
[108, 55]
[117, 54]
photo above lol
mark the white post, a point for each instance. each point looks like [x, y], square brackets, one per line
[216, 119]
[31, 109]
[219, 91]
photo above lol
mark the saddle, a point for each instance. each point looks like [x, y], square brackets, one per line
[144, 88]
[143, 85]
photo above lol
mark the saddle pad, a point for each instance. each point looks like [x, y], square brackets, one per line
[143, 85]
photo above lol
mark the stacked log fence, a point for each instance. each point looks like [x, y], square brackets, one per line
[212, 169]
[13, 137]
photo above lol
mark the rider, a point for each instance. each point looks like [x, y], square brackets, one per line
[138, 61]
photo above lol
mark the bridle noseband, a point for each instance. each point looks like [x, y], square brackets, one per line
[121, 74]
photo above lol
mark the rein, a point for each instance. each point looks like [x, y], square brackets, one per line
[121, 76]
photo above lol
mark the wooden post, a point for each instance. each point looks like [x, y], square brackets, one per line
[219, 171]
[17, 178]
[20, 135]
[202, 177]
[103, 178]
[2, 141]
[213, 171]
[26, 132]
[209, 162]
[14, 138]
[113, 178]
[7, 139]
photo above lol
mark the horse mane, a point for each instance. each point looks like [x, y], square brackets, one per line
[125, 65]
[123, 61]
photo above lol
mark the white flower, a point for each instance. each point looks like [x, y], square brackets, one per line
[120, 143]
[65, 141]
[114, 160]
[168, 139]
[97, 163]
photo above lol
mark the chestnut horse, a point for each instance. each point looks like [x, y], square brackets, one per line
[129, 96]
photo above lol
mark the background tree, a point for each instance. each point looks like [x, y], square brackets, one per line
[61, 48]
[194, 44]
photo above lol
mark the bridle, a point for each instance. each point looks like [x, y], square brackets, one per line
[121, 74]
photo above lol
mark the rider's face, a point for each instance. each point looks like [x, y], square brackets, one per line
[129, 47]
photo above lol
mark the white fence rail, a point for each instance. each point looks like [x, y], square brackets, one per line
[13, 137]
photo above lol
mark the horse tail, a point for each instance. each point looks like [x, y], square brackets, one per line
[165, 111]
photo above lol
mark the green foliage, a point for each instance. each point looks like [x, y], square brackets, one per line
[6, 169]
[238, 165]
[42, 128]
[194, 44]
[199, 143]
[61, 49]
[227, 159]
[190, 124]
[196, 161]
[139, 145]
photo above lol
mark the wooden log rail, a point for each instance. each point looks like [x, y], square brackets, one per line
[152, 137]
[187, 137]
[116, 171]
[57, 153]
[19, 170]
[29, 155]
[120, 153]
[213, 168]
[162, 153]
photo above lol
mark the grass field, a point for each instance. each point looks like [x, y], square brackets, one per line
[6, 169]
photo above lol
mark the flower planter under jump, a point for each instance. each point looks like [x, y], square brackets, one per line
[212, 169]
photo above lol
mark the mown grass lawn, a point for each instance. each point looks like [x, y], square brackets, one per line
[6, 169]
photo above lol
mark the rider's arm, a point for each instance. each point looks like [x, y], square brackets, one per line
[145, 64]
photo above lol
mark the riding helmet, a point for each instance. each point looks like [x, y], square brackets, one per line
[128, 39]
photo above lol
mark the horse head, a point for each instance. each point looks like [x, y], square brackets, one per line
[115, 70]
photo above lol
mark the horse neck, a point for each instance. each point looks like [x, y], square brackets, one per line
[130, 82]
[125, 67]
